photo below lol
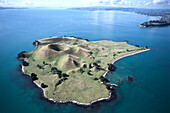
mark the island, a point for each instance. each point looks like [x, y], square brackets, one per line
[71, 69]
[155, 23]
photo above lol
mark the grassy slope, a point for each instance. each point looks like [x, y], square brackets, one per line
[80, 86]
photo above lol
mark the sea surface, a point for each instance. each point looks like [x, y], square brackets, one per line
[150, 93]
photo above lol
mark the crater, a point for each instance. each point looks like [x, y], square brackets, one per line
[56, 47]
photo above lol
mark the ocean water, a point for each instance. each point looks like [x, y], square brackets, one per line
[150, 93]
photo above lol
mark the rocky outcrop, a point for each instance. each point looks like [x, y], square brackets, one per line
[21, 55]
[131, 78]
[36, 43]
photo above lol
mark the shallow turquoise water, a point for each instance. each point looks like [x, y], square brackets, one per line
[148, 94]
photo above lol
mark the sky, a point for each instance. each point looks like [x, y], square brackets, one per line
[85, 3]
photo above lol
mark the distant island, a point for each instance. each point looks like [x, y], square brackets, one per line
[164, 21]
[163, 13]
[154, 23]
[70, 69]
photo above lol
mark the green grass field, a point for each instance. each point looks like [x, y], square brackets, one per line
[68, 66]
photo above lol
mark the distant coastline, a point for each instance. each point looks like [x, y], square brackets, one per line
[3, 8]
[163, 13]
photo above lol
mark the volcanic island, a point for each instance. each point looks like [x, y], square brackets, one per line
[70, 69]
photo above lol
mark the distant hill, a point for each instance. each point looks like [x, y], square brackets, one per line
[138, 10]
[2, 8]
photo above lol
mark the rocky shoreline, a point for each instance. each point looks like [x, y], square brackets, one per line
[75, 102]
[78, 103]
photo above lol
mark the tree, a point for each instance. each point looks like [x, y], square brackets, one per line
[65, 78]
[104, 80]
[84, 65]
[64, 75]
[43, 85]
[127, 50]
[81, 70]
[86, 39]
[39, 66]
[111, 67]
[90, 52]
[34, 76]
[90, 66]
[95, 64]
[114, 54]
[89, 73]
[54, 69]
[96, 79]
[24, 63]
[59, 82]
[137, 45]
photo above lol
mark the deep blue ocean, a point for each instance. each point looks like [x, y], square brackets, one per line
[150, 93]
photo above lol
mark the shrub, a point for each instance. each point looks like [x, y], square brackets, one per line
[39, 66]
[89, 73]
[95, 64]
[95, 79]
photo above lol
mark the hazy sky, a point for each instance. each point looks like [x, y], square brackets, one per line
[80, 3]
